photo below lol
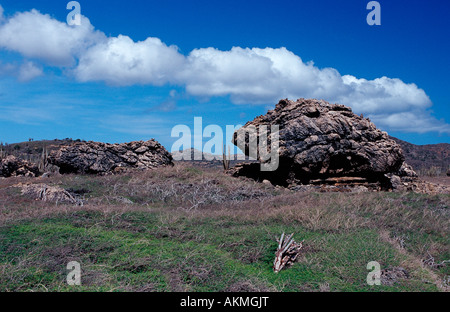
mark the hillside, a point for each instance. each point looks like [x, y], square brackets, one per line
[32, 150]
[430, 159]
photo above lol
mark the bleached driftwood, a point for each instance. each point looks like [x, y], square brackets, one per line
[287, 252]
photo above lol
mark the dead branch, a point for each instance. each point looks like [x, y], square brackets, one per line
[287, 252]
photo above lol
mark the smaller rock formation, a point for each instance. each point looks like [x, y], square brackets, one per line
[403, 179]
[102, 158]
[11, 166]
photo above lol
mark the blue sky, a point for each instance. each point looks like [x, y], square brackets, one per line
[225, 61]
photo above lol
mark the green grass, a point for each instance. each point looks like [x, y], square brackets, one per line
[227, 243]
[188, 255]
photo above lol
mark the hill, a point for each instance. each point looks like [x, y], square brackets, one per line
[430, 159]
[32, 150]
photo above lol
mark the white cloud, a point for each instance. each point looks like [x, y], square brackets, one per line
[250, 76]
[411, 121]
[266, 75]
[121, 61]
[242, 73]
[257, 75]
[39, 36]
[383, 94]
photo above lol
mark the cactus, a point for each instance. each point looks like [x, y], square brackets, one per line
[225, 160]
[44, 159]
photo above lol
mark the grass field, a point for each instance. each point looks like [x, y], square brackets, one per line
[195, 229]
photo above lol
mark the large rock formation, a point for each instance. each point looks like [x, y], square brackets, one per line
[323, 143]
[101, 158]
[11, 166]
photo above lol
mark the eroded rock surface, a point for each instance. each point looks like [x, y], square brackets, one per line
[101, 158]
[323, 143]
[10, 166]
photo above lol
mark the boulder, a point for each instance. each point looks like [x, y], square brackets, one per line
[403, 179]
[102, 158]
[319, 141]
[11, 166]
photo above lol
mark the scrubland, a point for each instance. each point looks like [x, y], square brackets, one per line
[188, 228]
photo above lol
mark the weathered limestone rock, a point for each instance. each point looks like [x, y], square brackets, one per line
[403, 179]
[101, 158]
[325, 143]
[11, 166]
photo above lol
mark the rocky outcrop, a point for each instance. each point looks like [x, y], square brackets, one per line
[323, 143]
[102, 158]
[403, 179]
[10, 166]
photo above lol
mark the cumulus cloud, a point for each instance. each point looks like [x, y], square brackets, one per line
[258, 75]
[265, 75]
[248, 76]
[241, 73]
[121, 61]
[39, 36]
[410, 121]
[383, 94]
